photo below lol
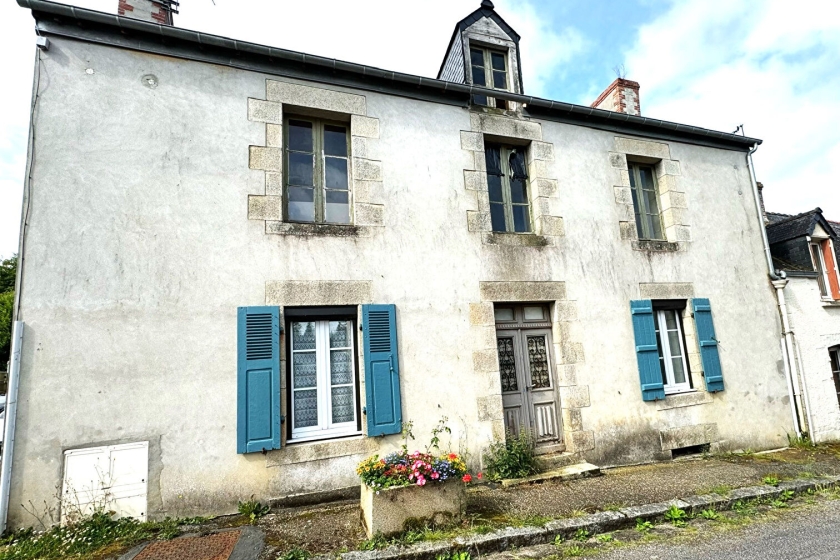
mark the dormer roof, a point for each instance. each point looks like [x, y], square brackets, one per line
[453, 67]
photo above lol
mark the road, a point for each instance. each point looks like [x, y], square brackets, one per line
[811, 533]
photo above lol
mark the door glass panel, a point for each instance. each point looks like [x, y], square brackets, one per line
[538, 360]
[503, 314]
[534, 313]
[507, 364]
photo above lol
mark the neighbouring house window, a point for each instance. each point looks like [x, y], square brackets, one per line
[671, 345]
[645, 201]
[323, 388]
[507, 183]
[820, 268]
[317, 186]
[489, 69]
[834, 355]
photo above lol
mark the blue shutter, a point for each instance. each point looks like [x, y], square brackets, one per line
[258, 379]
[647, 354]
[382, 370]
[708, 344]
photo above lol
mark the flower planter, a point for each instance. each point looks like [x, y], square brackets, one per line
[386, 511]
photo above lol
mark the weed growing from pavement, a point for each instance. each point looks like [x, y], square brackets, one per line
[643, 526]
[604, 538]
[253, 510]
[770, 480]
[581, 535]
[295, 554]
[678, 517]
[720, 490]
[709, 514]
[574, 550]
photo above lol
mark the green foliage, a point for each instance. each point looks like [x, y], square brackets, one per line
[454, 555]
[374, 543]
[7, 303]
[786, 496]
[8, 271]
[800, 442]
[721, 490]
[253, 509]
[605, 538]
[574, 550]
[513, 458]
[86, 537]
[559, 540]
[295, 554]
[678, 517]
[709, 514]
[643, 526]
[581, 535]
[441, 428]
[770, 480]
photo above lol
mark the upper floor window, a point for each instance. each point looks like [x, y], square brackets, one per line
[645, 201]
[819, 268]
[490, 70]
[507, 183]
[317, 186]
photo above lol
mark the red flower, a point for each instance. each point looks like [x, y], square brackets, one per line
[467, 478]
[452, 456]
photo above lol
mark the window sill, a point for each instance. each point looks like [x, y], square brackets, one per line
[831, 303]
[516, 239]
[652, 245]
[681, 400]
[304, 452]
[316, 230]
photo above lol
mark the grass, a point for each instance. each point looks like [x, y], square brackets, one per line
[88, 537]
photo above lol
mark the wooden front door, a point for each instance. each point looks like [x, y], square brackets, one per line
[525, 348]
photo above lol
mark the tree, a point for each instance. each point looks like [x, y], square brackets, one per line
[8, 270]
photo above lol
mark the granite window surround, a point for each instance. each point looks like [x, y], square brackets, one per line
[673, 207]
[366, 189]
[546, 221]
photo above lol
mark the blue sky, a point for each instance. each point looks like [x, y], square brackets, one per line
[771, 65]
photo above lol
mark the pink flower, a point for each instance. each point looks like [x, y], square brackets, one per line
[479, 476]
[421, 481]
[435, 475]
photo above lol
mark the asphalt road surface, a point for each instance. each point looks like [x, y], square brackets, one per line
[812, 533]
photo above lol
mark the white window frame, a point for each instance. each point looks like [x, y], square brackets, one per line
[819, 266]
[325, 428]
[671, 387]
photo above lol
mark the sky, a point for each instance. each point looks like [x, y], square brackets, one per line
[771, 65]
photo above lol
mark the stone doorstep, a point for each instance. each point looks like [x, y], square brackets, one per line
[248, 546]
[572, 472]
[509, 537]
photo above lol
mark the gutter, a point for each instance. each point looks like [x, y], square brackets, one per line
[134, 34]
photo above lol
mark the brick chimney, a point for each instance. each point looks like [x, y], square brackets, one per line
[153, 11]
[622, 96]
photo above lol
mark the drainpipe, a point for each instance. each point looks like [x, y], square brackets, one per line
[9, 428]
[811, 429]
[779, 282]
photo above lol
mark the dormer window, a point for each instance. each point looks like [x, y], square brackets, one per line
[490, 70]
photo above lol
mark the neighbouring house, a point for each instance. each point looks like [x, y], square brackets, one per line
[806, 249]
[244, 268]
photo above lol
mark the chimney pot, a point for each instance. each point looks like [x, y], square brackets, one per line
[152, 11]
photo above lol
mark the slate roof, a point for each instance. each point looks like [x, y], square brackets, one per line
[792, 227]
[774, 217]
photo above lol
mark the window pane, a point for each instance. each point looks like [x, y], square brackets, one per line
[343, 405]
[304, 370]
[494, 187]
[670, 320]
[500, 80]
[493, 158]
[306, 408]
[303, 336]
[301, 169]
[503, 314]
[674, 344]
[498, 61]
[338, 207]
[300, 136]
[340, 334]
[646, 174]
[497, 217]
[652, 202]
[538, 362]
[341, 367]
[507, 364]
[478, 76]
[301, 206]
[521, 220]
[517, 164]
[336, 173]
[335, 140]
[517, 191]
[679, 371]
[480, 100]
[534, 313]
[477, 57]
[655, 227]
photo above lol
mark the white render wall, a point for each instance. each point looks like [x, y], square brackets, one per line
[139, 250]
[816, 325]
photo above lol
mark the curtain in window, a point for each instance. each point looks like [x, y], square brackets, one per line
[517, 165]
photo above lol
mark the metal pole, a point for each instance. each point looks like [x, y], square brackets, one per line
[9, 428]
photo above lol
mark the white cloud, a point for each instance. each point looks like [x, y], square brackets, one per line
[718, 64]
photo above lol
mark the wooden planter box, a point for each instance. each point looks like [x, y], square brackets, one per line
[386, 511]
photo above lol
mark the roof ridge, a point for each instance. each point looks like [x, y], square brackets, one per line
[791, 218]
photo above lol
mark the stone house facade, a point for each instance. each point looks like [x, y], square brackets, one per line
[255, 266]
[806, 250]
